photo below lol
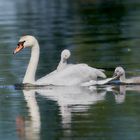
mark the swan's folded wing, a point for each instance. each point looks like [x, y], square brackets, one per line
[99, 72]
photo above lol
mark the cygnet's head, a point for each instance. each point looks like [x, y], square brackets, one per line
[119, 71]
[65, 54]
[24, 42]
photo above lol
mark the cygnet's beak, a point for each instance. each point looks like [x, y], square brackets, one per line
[19, 47]
[116, 75]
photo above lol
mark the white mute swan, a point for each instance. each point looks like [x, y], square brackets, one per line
[120, 72]
[72, 75]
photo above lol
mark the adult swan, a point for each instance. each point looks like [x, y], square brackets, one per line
[71, 75]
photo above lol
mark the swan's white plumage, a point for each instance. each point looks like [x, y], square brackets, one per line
[70, 75]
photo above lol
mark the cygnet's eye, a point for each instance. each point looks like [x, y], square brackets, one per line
[116, 71]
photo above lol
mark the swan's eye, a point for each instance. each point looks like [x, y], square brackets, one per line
[20, 43]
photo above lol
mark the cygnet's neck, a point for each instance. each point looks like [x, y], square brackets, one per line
[61, 64]
[32, 66]
[122, 78]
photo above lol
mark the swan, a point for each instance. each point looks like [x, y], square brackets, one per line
[72, 75]
[120, 72]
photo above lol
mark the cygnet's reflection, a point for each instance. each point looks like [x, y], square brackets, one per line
[69, 99]
[120, 91]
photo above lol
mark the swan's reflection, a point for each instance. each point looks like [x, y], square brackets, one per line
[72, 99]
[33, 109]
[29, 129]
[69, 99]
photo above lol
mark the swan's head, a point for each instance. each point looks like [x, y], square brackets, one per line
[25, 42]
[65, 54]
[119, 71]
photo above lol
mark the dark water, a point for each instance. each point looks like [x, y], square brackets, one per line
[103, 34]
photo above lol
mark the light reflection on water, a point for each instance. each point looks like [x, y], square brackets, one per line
[99, 33]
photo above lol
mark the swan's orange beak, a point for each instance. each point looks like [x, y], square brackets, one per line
[19, 47]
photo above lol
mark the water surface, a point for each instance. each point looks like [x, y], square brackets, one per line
[103, 34]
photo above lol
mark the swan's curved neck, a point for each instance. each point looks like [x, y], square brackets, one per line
[32, 66]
